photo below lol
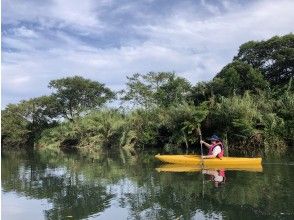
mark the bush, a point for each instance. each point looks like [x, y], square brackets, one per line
[88, 135]
[249, 121]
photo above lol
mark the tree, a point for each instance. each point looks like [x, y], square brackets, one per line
[236, 78]
[14, 127]
[285, 109]
[76, 95]
[156, 89]
[23, 123]
[273, 57]
[174, 91]
[250, 121]
[201, 92]
[41, 113]
[183, 121]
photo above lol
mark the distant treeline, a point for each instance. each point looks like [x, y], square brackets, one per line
[249, 103]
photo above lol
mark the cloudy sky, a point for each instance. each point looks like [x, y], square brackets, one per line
[106, 40]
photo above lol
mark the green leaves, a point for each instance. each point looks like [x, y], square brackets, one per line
[14, 127]
[236, 78]
[23, 123]
[273, 57]
[76, 95]
[247, 118]
[285, 109]
[156, 89]
[89, 135]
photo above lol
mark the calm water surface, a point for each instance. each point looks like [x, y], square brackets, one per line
[117, 187]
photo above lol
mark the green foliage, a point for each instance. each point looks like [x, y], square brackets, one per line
[76, 95]
[236, 78]
[249, 121]
[273, 57]
[183, 121]
[156, 89]
[142, 128]
[170, 127]
[102, 129]
[285, 109]
[201, 92]
[89, 135]
[23, 123]
[14, 127]
[42, 113]
[235, 115]
[109, 129]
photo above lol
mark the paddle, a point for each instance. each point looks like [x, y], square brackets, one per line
[202, 163]
[200, 136]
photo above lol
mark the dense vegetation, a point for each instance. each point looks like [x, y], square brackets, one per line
[250, 103]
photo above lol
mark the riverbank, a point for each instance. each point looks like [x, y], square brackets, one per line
[170, 130]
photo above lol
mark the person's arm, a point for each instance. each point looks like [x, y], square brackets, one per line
[208, 156]
[205, 144]
[210, 172]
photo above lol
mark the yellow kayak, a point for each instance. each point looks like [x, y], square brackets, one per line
[192, 168]
[196, 160]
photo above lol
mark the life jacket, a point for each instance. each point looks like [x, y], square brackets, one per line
[221, 154]
[220, 173]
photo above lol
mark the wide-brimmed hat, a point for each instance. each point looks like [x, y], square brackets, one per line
[214, 138]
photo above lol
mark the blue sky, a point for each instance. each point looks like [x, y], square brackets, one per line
[107, 40]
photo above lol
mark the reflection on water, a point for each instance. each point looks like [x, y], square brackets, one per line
[191, 168]
[218, 177]
[217, 174]
[40, 187]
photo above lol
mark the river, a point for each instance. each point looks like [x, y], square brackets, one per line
[38, 186]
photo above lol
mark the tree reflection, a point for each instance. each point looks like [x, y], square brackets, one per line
[68, 191]
[81, 189]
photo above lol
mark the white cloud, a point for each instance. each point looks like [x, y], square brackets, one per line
[25, 32]
[15, 43]
[76, 12]
[210, 7]
[81, 15]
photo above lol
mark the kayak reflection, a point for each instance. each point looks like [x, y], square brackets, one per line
[191, 168]
[216, 174]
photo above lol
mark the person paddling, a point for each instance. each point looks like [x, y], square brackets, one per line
[215, 149]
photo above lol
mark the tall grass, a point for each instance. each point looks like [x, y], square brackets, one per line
[172, 127]
[88, 135]
[249, 122]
